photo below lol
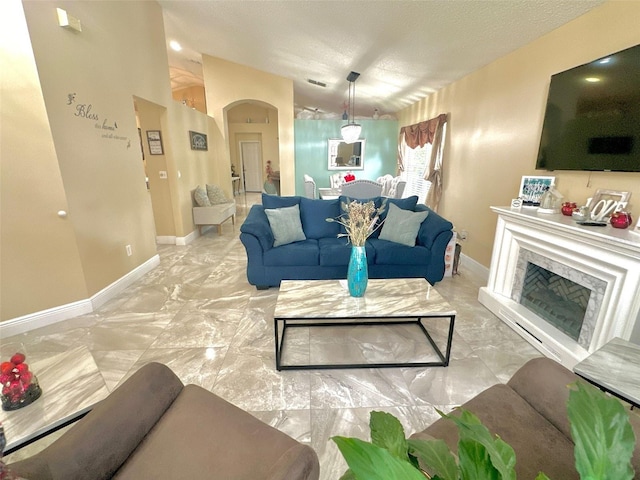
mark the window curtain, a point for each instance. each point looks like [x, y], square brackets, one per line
[431, 131]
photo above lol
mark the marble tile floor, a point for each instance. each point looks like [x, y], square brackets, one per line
[197, 314]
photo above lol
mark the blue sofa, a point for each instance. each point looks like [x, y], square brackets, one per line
[323, 255]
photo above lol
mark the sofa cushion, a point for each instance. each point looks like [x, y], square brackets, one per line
[534, 440]
[314, 213]
[285, 225]
[203, 436]
[337, 251]
[301, 254]
[200, 197]
[216, 195]
[408, 203]
[392, 253]
[275, 201]
[401, 226]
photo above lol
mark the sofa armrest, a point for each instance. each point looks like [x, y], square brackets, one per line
[257, 224]
[101, 442]
[432, 227]
[543, 384]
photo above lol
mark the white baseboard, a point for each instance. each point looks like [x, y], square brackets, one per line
[173, 240]
[188, 239]
[119, 285]
[16, 326]
[475, 268]
[166, 240]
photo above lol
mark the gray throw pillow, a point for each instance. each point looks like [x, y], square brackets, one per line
[201, 198]
[401, 226]
[285, 225]
[216, 195]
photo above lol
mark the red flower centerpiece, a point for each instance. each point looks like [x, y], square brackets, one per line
[19, 385]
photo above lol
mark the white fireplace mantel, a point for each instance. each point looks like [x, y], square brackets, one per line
[606, 253]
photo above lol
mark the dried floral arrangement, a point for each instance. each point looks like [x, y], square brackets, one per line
[360, 220]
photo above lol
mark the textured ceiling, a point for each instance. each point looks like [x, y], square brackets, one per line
[403, 50]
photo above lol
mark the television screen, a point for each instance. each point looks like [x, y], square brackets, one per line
[592, 120]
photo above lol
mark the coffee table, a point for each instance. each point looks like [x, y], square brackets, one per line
[71, 385]
[614, 368]
[327, 303]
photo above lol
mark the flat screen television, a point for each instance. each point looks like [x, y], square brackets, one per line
[592, 119]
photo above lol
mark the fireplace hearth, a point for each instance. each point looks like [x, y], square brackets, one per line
[568, 289]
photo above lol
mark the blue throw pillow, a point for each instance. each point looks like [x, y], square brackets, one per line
[274, 201]
[285, 225]
[401, 226]
[314, 213]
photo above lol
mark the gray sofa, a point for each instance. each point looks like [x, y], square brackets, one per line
[154, 427]
[322, 255]
[530, 414]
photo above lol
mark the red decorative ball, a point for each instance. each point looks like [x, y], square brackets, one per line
[18, 358]
[6, 367]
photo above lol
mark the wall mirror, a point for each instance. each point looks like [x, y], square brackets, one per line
[346, 156]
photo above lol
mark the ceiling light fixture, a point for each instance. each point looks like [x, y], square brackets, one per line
[351, 131]
[175, 46]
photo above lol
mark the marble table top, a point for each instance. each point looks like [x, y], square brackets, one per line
[71, 384]
[384, 298]
[616, 368]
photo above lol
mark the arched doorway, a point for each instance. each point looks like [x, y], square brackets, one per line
[252, 128]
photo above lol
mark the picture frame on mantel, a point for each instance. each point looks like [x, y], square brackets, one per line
[532, 188]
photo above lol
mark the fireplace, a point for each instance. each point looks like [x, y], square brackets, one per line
[567, 289]
[557, 300]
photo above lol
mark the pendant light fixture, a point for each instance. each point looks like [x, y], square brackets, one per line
[351, 131]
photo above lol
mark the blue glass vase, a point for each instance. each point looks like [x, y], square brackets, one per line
[358, 273]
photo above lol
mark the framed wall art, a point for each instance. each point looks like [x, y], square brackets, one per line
[198, 141]
[532, 188]
[155, 142]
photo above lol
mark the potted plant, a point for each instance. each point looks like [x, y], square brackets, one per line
[603, 438]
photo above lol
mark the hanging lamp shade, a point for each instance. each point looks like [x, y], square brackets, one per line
[351, 131]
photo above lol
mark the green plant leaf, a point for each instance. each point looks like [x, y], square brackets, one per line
[370, 462]
[387, 432]
[542, 476]
[475, 462]
[603, 437]
[436, 458]
[500, 454]
[348, 475]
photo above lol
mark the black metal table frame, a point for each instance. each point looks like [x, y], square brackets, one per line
[339, 322]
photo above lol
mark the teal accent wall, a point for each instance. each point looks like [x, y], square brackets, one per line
[312, 149]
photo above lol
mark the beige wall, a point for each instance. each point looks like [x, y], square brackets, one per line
[70, 142]
[228, 83]
[31, 189]
[95, 134]
[496, 117]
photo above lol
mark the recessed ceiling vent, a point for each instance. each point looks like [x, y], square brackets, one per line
[316, 82]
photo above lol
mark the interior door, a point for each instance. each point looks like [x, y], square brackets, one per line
[251, 155]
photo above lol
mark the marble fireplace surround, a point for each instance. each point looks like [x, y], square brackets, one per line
[608, 254]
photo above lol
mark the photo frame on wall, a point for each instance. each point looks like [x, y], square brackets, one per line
[154, 138]
[198, 141]
[532, 188]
